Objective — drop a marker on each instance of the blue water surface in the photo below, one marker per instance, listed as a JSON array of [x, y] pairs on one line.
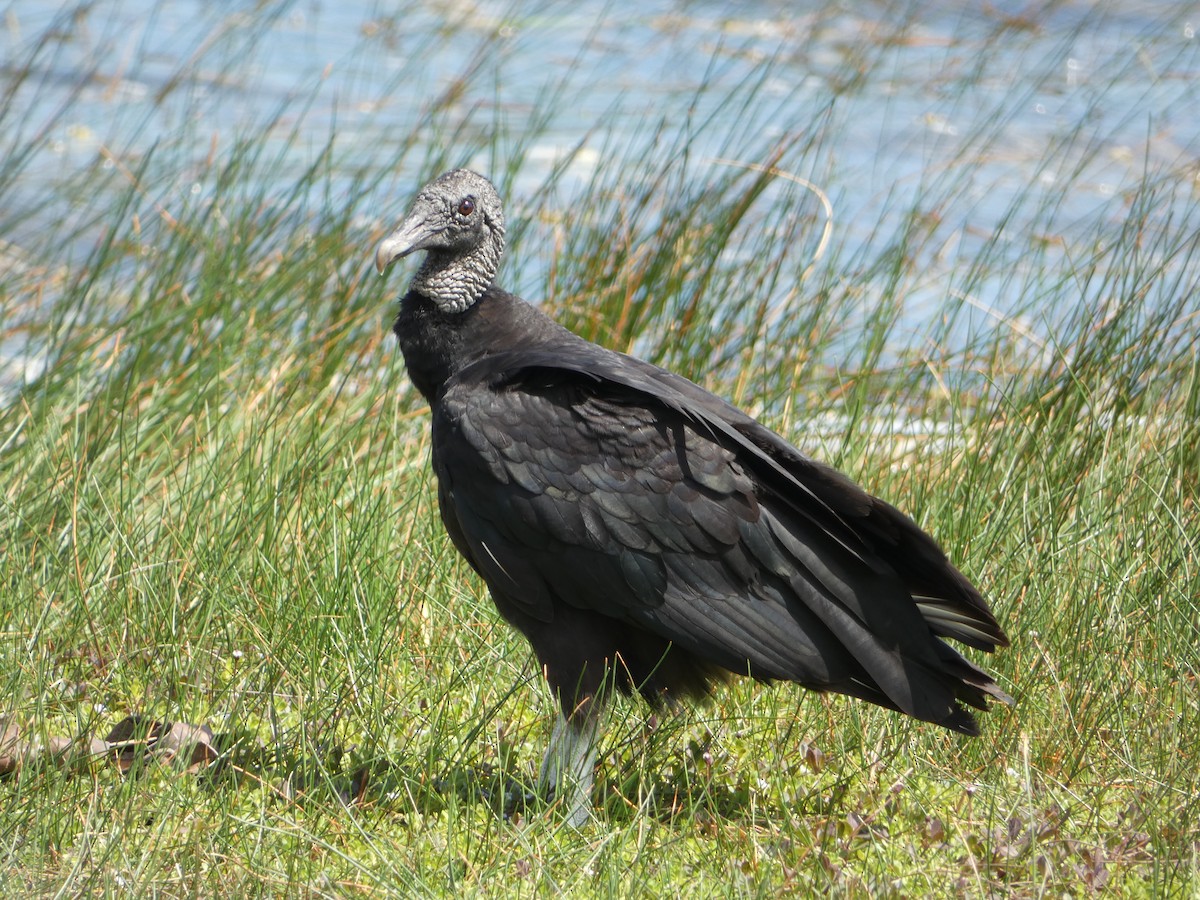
[[973, 112]]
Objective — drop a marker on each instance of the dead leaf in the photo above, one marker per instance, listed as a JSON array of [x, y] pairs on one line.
[[134, 729], [129, 739], [10, 746], [813, 756], [132, 739], [189, 745]]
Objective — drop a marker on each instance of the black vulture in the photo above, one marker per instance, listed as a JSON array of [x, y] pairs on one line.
[[645, 535]]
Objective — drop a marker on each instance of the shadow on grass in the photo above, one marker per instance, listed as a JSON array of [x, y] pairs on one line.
[[413, 785]]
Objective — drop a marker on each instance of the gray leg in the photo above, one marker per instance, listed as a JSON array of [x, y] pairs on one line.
[[568, 769]]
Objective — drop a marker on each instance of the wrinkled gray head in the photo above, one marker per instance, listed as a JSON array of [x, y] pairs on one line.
[[457, 219]]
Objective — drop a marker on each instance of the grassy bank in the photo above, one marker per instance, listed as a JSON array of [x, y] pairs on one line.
[[216, 511]]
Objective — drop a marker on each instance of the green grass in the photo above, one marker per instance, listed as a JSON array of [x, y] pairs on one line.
[[215, 508]]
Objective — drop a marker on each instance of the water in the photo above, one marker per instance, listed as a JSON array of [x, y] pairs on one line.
[[975, 113]]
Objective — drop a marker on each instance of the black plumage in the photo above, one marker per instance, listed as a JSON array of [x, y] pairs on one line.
[[642, 532]]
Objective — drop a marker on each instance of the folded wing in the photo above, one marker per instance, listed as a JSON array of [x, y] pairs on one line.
[[585, 478]]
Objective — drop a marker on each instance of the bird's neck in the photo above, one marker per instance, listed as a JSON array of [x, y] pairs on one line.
[[454, 281]]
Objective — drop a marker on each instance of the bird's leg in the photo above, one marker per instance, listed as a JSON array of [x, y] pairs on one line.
[[568, 768]]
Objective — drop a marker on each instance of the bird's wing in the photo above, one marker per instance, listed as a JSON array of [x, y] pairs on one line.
[[579, 476]]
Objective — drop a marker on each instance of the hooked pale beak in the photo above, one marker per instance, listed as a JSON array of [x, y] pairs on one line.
[[412, 235]]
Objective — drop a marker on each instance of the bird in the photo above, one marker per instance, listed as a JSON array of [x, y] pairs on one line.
[[646, 536]]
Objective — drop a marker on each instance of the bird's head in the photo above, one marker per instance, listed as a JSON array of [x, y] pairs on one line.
[[457, 218]]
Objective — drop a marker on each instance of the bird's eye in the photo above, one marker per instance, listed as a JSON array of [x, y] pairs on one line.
[[466, 207]]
